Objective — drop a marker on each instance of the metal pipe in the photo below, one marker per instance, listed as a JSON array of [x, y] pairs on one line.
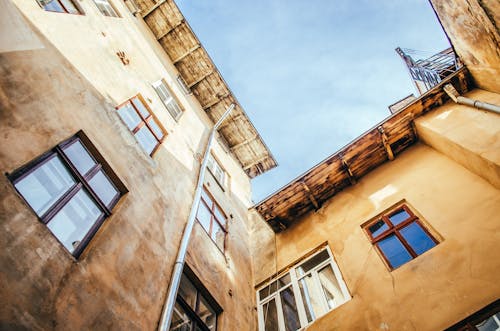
[[455, 96], [168, 307]]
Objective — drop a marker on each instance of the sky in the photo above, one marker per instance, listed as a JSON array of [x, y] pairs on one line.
[[312, 75]]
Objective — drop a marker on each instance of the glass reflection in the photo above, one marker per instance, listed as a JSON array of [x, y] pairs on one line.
[[311, 263], [270, 316], [417, 238], [289, 307], [146, 139], [187, 291], [331, 288], [180, 321], [378, 228], [103, 187], [80, 158], [399, 217], [311, 296], [394, 251], [129, 116]]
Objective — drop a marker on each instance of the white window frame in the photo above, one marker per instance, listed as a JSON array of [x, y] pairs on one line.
[[167, 98], [294, 283], [217, 171], [106, 8]]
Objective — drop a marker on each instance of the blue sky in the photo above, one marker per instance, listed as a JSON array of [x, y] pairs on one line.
[[312, 75]]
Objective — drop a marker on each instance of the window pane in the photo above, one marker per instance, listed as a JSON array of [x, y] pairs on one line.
[[140, 107], [218, 235], [156, 128], [268, 290], [70, 7], [45, 185], [270, 316], [74, 220], [52, 5], [146, 139], [188, 292], [103, 187], [394, 251], [79, 157], [207, 314], [105, 8], [311, 296], [399, 217], [180, 320], [290, 314], [377, 228], [308, 265], [418, 239], [219, 215], [206, 197], [129, 116], [490, 324], [162, 92], [331, 288], [174, 109], [203, 216]]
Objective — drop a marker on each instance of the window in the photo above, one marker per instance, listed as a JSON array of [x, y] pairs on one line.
[[487, 319], [166, 97], [106, 8], [216, 170], [143, 125], [399, 236], [212, 219], [71, 190], [195, 309], [60, 6], [305, 292]]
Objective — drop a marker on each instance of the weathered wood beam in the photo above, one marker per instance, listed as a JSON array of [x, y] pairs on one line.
[[413, 126], [230, 120], [175, 26], [198, 80], [245, 142], [183, 56], [152, 9], [214, 102], [248, 166], [385, 142], [351, 176], [310, 195]]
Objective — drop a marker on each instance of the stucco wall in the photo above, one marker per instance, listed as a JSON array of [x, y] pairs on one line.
[[120, 280], [431, 292], [473, 29]]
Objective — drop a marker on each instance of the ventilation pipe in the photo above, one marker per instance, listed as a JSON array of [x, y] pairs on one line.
[[455, 96], [168, 307]]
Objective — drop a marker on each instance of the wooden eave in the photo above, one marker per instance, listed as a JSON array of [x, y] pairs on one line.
[[344, 168], [202, 77]]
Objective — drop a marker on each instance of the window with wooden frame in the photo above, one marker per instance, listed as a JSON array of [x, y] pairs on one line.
[[487, 319], [166, 96], [106, 8], [400, 236], [212, 219], [217, 171], [195, 309], [60, 6], [146, 129], [71, 189]]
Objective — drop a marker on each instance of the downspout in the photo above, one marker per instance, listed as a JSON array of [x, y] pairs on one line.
[[455, 96], [168, 306]]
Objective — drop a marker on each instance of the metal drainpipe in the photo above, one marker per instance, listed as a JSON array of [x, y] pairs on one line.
[[455, 96], [168, 307]]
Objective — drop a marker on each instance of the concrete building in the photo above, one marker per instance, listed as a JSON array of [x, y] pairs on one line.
[[106, 109]]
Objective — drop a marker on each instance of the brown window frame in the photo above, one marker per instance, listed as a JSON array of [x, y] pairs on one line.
[[394, 230], [80, 12], [81, 183], [211, 207], [144, 121]]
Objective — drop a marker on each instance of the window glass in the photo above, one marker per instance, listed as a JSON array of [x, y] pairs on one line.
[[140, 107], [399, 216], [129, 116], [207, 314], [270, 316], [310, 297], [180, 320], [218, 235], [289, 306], [156, 129], [418, 239], [378, 228], [394, 251], [490, 324], [103, 187], [70, 7], [80, 158], [204, 216], [146, 139], [45, 185], [311, 263], [52, 5], [105, 8], [188, 292], [174, 109], [219, 215], [74, 220], [331, 288]]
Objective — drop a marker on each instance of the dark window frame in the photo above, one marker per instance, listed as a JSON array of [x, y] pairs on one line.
[[81, 183], [80, 11], [395, 230], [144, 121], [469, 323], [213, 216]]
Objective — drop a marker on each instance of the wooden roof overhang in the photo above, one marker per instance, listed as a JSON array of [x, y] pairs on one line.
[[378, 145], [201, 76]]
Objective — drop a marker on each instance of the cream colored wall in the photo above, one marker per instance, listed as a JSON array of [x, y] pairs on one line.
[[431, 292], [47, 94]]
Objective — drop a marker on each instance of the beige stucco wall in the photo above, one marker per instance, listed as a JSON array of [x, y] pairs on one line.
[[431, 292], [50, 89], [473, 29]]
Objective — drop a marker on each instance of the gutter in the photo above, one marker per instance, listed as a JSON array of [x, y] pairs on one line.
[[168, 306], [457, 98]]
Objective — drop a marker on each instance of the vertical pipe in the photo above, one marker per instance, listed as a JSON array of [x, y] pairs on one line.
[[168, 307]]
